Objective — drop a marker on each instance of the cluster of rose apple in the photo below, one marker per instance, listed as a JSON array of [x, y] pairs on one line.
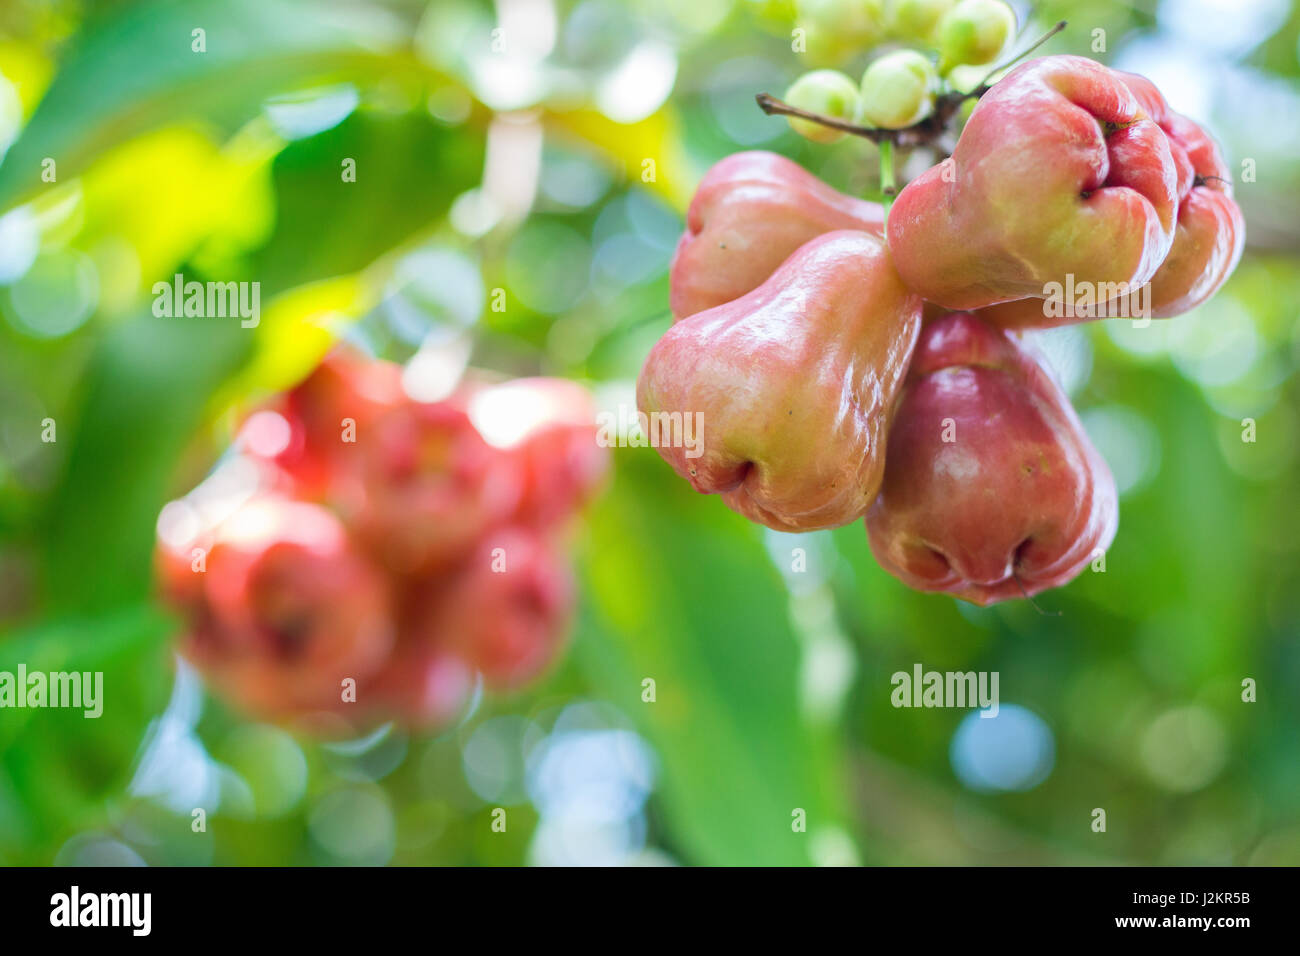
[[378, 552], [844, 366]]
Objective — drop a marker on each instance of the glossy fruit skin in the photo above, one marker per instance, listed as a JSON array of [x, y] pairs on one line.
[[794, 383], [1038, 189], [1019, 499], [1208, 240], [288, 609], [750, 212]]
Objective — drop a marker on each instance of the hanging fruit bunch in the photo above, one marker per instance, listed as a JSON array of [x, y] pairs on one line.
[[364, 556], [849, 359]]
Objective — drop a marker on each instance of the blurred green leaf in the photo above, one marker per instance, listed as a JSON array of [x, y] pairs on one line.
[[408, 171], [143, 400], [60, 764], [133, 67], [739, 756]]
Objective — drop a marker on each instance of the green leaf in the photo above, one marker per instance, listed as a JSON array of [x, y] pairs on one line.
[[681, 591], [408, 171], [134, 67], [144, 397], [57, 765]]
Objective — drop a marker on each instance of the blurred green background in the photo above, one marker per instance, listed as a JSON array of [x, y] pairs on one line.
[[556, 167]]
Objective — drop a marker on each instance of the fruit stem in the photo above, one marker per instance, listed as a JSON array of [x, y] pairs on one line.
[[887, 185], [919, 134], [770, 105]]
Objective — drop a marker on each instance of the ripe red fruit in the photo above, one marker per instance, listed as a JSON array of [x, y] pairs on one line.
[[792, 385], [992, 489], [179, 584], [421, 686], [749, 213], [287, 610], [303, 431], [434, 565], [1059, 172], [547, 428], [506, 612], [1208, 241], [1211, 231], [421, 486]]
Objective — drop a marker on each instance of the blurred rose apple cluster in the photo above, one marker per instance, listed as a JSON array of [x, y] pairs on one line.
[[362, 556]]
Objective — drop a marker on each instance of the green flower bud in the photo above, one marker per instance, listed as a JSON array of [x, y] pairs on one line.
[[828, 92], [835, 30], [917, 20], [898, 90], [974, 32], [966, 78], [774, 16]]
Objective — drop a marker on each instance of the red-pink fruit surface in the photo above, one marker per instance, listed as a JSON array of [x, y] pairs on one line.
[[547, 428], [507, 611], [422, 486], [992, 490], [422, 686], [342, 396], [749, 213], [1208, 240], [288, 610], [1059, 172], [791, 385]]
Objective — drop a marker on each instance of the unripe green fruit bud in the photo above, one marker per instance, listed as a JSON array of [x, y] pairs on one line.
[[828, 92], [835, 30], [773, 16], [897, 90], [917, 20], [974, 32], [966, 78]]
